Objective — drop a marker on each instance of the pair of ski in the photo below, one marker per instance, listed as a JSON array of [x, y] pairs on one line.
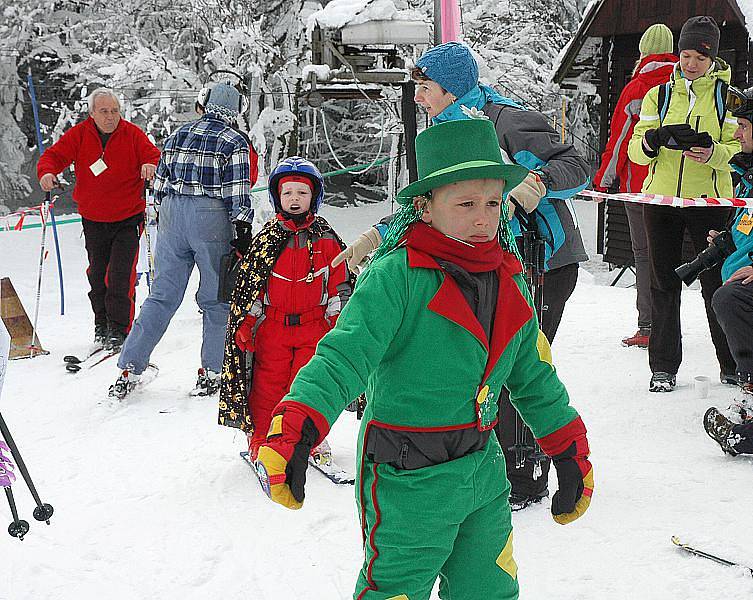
[[321, 462], [74, 364]]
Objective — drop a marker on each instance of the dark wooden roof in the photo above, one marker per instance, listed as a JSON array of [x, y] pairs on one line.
[[606, 18]]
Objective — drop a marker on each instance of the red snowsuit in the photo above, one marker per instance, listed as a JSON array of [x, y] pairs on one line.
[[653, 70], [301, 302]]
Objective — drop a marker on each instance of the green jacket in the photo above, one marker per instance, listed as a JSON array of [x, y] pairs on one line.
[[409, 338], [670, 173]]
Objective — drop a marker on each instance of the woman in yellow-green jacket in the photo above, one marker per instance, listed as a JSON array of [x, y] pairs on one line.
[[685, 136]]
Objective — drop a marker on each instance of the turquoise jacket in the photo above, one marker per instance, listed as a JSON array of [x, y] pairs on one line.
[[743, 256]]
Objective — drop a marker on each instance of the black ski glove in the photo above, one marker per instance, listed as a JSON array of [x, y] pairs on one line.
[[243, 236], [672, 137]]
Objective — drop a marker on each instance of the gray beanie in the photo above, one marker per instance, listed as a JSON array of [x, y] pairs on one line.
[[700, 34], [224, 96]]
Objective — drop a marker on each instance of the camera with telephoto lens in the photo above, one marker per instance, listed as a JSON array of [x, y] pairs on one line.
[[719, 249]]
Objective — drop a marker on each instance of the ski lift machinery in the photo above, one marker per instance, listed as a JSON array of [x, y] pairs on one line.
[[363, 58]]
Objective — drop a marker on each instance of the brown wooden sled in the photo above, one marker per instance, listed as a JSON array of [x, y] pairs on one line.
[[17, 323]]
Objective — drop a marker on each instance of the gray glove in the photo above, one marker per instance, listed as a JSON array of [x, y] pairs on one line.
[[355, 254]]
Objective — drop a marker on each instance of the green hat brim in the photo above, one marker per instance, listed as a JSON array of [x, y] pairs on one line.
[[512, 175]]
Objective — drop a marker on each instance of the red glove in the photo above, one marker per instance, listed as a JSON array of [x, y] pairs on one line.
[[568, 447], [283, 459], [244, 337]]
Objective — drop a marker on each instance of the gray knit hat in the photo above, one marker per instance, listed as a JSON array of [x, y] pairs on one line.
[[700, 34], [226, 97]]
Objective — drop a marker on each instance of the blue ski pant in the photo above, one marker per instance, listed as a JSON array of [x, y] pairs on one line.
[[193, 230]]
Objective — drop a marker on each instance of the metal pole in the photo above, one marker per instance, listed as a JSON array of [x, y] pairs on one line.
[[437, 22], [408, 109], [45, 215]]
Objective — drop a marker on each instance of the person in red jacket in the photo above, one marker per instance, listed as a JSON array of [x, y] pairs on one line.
[[301, 299], [112, 158], [653, 68]]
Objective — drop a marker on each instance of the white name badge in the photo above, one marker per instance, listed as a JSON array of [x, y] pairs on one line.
[[98, 167]]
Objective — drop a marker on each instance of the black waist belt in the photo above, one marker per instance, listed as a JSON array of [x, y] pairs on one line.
[[416, 449]]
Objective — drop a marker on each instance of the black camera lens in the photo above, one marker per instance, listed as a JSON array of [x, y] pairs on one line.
[[719, 249]]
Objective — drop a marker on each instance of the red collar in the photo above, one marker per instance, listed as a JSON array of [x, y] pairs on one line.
[[293, 226], [511, 313]]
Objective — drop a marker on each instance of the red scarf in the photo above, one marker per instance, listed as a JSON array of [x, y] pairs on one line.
[[474, 257]]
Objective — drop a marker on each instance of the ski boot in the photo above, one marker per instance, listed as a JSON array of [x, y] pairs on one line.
[[128, 381], [124, 385], [728, 379], [100, 336], [719, 429], [114, 341], [522, 501], [662, 382], [638, 340], [207, 383], [322, 454]]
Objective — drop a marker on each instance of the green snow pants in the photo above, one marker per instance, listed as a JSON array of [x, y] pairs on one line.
[[451, 521]]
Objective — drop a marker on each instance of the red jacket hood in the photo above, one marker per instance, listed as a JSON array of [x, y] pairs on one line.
[[655, 67]]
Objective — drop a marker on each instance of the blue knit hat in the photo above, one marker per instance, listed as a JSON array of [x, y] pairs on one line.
[[225, 97], [452, 66]]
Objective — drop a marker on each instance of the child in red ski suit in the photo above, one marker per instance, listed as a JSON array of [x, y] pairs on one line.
[[301, 299]]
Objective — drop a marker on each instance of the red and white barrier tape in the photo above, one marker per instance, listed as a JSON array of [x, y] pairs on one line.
[[21, 214], [669, 200]]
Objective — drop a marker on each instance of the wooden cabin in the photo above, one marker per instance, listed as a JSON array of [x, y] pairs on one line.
[[603, 52]]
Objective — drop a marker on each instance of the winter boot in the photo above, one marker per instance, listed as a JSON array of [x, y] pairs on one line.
[[124, 385], [207, 383], [639, 340], [728, 379], [114, 342], [719, 429], [522, 501], [100, 335], [662, 382]]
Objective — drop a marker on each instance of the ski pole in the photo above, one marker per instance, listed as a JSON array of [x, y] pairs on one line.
[[45, 213], [147, 223], [18, 528], [57, 255], [40, 145], [722, 561], [42, 512]]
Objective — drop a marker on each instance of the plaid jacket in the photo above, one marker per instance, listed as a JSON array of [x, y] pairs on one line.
[[207, 157]]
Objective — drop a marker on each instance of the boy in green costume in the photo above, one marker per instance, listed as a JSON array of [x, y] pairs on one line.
[[437, 325]]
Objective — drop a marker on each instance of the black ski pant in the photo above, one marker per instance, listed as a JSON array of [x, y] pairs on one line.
[[113, 250], [744, 438], [558, 287], [733, 306], [665, 228]]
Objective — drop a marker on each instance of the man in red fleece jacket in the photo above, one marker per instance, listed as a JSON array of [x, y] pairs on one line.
[[112, 157]]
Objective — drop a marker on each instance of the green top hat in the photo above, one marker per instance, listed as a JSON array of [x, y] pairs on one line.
[[459, 151]]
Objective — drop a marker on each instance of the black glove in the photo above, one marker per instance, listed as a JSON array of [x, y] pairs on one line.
[[243, 236], [672, 137], [677, 137]]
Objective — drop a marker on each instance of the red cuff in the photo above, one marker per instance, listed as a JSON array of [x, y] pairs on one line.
[[322, 426], [558, 441]]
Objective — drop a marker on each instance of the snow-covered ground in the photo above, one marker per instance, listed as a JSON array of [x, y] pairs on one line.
[[152, 502]]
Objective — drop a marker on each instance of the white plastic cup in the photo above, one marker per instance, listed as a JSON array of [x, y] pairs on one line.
[[701, 384]]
